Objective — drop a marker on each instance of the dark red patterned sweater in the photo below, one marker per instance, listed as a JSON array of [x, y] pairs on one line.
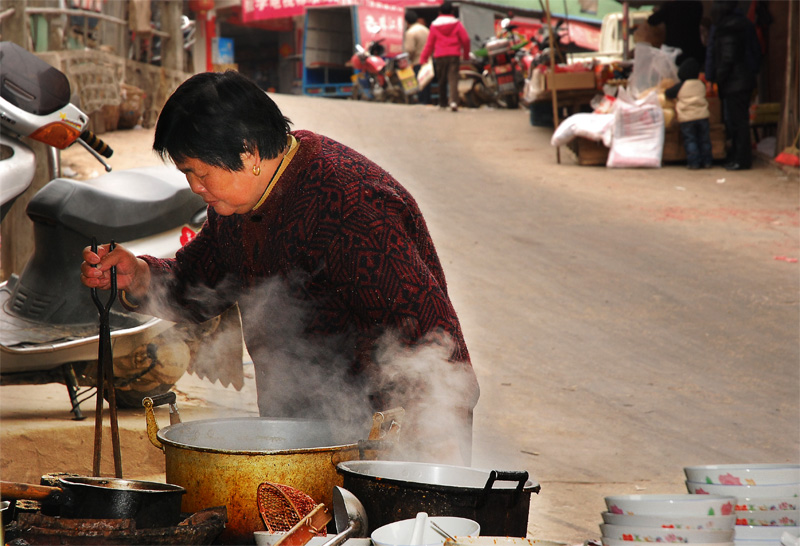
[[339, 256]]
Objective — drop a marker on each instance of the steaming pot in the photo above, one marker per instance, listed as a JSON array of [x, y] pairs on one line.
[[221, 462]]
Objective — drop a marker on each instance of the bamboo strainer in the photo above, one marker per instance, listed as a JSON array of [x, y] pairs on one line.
[[282, 507]]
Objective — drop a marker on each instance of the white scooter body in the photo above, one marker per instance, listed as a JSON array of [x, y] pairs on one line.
[[47, 317]]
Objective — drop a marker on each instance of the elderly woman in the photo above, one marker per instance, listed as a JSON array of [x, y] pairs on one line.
[[343, 298]]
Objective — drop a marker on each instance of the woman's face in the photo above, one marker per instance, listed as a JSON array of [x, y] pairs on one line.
[[227, 192]]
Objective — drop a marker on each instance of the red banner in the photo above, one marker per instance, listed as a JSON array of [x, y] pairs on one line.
[[258, 10]]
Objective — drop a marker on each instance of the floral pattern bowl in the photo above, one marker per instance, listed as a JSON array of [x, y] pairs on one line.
[[672, 505], [673, 522], [745, 491], [744, 474], [761, 532], [656, 534], [771, 518]]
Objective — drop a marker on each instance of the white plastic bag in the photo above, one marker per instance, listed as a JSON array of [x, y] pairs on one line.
[[651, 65], [425, 75], [595, 127], [638, 134]]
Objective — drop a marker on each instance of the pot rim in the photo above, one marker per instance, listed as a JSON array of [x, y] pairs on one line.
[[120, 484], [350, 468], [162, 436]]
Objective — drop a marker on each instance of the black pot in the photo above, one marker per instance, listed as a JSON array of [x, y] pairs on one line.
[[392, 490], [149, 504]]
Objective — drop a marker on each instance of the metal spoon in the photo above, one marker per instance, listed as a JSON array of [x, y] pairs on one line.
[[441, 531], [349, 515]]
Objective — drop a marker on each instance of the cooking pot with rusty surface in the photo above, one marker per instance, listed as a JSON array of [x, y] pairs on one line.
[[221, 462], [395, 490], [149, 504]]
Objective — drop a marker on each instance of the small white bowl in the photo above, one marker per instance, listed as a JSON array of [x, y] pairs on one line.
[[399, 532], [671, 505], [768, 517], [768, 504], [744, 491], [763, 532], [744, 474], [672, 522], [614, 542], [265, 538], [656, 534]]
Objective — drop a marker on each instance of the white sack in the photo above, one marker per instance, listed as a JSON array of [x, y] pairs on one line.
[[595, 127], [638, 139]]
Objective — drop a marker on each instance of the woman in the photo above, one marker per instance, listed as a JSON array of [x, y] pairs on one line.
[[343, 299]]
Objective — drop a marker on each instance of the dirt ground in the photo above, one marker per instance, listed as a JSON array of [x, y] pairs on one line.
[[624, 323]]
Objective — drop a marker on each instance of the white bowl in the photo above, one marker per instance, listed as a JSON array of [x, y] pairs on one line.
[[768, 504], [656, 534], [744, 491], [615, 542], [768, 517], [744, 474], [763, 532], [399, 532], [674, 522], [671, 505]]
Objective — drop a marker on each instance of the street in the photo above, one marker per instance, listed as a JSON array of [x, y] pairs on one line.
[[623, 323]]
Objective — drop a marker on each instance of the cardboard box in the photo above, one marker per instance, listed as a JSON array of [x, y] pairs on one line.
[[674, 149], [588, 152], [570, 80]]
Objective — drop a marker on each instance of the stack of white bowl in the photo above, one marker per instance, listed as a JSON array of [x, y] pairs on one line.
[[690, 519], [767, 498]]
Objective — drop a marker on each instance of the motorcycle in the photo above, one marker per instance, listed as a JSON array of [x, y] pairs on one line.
[[369, 75], [48, 319], [402, 85], [494, 74]]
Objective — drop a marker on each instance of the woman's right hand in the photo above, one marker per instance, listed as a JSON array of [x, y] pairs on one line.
[[133, 274]]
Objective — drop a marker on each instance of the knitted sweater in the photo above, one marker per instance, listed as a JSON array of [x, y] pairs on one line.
[[337, 258]]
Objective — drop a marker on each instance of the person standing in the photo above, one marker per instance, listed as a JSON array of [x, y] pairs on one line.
[[413, 44], [448, 43], [732, 62], [693, 115]]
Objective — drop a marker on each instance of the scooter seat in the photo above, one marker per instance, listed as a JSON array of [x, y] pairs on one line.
[[121, 205]]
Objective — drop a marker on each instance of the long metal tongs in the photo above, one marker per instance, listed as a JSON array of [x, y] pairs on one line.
[[105, 376]]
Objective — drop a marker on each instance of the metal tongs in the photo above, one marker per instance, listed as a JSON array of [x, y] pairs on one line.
[[105, 375]]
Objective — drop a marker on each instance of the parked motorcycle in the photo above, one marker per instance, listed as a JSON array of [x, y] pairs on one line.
[[369, 76], [48, 320], [402, 85]]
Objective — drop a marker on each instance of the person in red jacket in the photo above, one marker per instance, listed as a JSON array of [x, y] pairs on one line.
[[448, 43]]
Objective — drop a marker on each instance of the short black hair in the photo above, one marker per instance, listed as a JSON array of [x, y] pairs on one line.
[[446, 8], [411, 16], [216, 117]]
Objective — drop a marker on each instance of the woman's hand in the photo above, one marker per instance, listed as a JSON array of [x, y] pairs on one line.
[[133, 274]]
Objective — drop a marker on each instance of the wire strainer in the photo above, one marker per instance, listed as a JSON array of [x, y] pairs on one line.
[[282, 507]]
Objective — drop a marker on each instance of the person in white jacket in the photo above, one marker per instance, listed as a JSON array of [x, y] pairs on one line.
[[693, 115]]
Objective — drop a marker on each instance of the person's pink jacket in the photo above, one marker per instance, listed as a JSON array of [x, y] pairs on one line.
[[447, 37]]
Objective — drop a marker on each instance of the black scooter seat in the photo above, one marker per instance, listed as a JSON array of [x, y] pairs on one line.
[[121, 205]]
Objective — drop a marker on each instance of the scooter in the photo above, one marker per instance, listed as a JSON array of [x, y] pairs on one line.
[[502, 70], [48, 320], [369, 76], [401, 82]]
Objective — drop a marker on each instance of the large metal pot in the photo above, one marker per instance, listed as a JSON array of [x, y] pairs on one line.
[[393, 490], [150, 504], [221, 462]]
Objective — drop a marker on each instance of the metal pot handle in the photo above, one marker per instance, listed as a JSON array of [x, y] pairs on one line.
[[520, 476], [149, 403]]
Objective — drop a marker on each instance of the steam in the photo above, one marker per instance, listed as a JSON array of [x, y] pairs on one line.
[[314, 376]]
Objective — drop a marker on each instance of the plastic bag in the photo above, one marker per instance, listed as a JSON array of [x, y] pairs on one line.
[[595, 127], [650, 66], [638, 133], [425, 75]]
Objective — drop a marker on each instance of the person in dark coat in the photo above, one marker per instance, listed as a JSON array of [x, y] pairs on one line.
[[682, 21], [732, 62]]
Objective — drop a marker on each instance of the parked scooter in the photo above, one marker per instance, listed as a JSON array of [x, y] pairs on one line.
[[401, 82], [48, 321], [502, 69], [369, 76]]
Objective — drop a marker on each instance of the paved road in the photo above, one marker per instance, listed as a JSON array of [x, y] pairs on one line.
[[623, 323]]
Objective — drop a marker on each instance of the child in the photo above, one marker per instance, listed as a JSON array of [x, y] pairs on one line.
[[692, 111]]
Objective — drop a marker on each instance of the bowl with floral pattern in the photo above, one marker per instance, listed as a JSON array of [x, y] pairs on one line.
[[763, 532], [771, 518], [672, 522], [767, 504], [671, 505], [744, 474], [660, 534], [615, 542], [744, 491]]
